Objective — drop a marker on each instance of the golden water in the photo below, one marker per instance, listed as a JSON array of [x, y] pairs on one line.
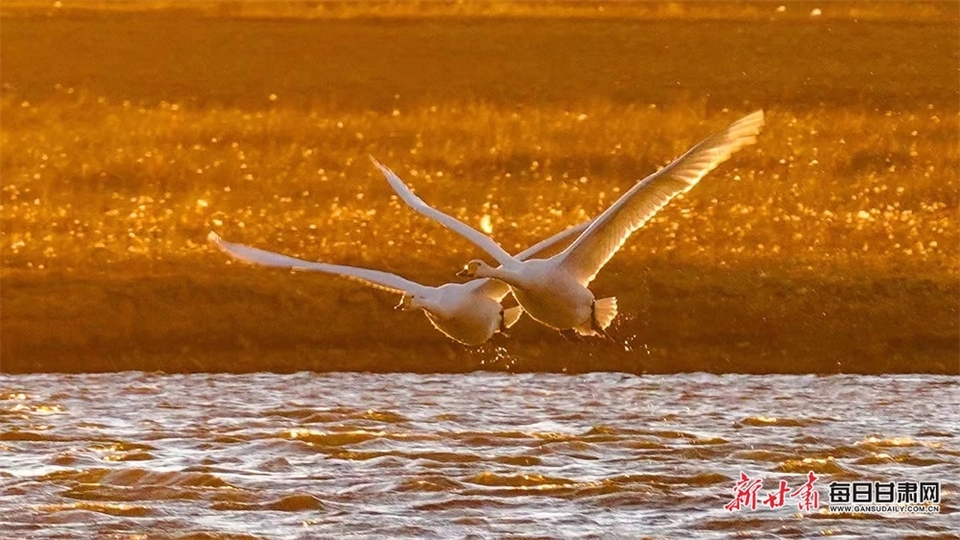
[[308, 455]]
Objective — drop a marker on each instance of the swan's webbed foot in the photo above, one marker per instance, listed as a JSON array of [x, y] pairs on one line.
[[600, 332]]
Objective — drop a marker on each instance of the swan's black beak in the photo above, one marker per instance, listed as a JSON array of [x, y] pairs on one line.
[[463, 273]]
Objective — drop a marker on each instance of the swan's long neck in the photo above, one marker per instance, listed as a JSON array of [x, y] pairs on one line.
[[505, 275], [429, 305]]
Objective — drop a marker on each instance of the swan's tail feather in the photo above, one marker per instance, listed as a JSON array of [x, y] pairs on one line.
[[604, 311], [511, 316]]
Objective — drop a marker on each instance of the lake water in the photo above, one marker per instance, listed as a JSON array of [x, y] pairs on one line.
[[486, 454]]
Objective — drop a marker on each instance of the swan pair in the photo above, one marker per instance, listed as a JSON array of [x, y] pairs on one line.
[[553, 290], [469, 313]]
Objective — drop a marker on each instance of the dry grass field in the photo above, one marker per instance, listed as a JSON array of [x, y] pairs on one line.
[[128, 134]]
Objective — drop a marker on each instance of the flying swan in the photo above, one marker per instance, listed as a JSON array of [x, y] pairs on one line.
[[469, 313], [554, 290]]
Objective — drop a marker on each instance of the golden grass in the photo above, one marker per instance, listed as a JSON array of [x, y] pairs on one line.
[[142, 184], [749, 10], [832, 241]]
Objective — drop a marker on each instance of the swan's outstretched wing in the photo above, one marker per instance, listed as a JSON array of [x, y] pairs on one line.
[[588, 253], [542, 249], [374, 278], [481, 240]]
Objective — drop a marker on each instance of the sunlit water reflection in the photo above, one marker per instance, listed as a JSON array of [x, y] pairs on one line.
[[308, 455]]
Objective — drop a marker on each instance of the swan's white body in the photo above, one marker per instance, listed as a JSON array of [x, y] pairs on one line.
[[548, 290], [469, 313], [554, 290]]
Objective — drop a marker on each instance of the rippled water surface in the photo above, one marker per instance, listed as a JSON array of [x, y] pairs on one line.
[[332, 455]]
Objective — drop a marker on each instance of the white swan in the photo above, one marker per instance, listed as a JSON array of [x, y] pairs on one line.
[[469, 313], [554, 290]]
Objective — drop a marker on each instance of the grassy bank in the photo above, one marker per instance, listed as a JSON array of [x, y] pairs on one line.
[[382, 64], [674, 318], [830, 245]]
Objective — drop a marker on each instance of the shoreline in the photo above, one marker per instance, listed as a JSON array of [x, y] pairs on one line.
[[693, 319]]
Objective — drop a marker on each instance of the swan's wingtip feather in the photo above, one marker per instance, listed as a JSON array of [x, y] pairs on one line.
[[388, 173], [755, 120], [745, 131]]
